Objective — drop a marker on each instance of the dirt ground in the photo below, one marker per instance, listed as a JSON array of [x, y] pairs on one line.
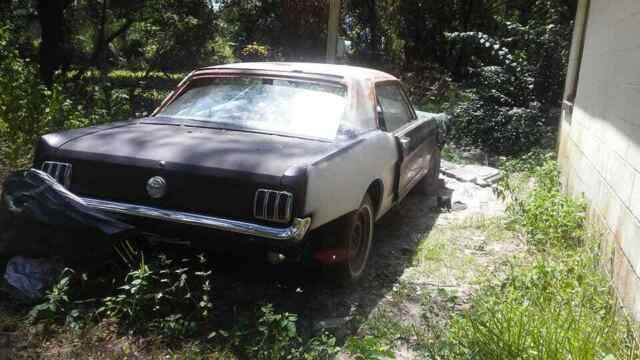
[[425, 265]]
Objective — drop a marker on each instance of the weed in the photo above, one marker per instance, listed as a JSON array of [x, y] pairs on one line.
[[450, 154], [276, 332], [168, 296], [382, 331], [368, 347], [546, 214], [276, 337], [57, 304]]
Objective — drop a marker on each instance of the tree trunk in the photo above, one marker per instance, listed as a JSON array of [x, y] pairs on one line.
[[374, 25], [52, 51], [460, 67]]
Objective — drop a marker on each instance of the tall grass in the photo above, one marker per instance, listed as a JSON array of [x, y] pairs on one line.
[[559, 305]]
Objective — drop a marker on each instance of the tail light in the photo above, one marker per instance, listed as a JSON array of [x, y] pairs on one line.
[[272, 205], [61, 172]]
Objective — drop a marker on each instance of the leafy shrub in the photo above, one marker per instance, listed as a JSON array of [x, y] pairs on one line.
[[517, 87], [499, 116], [166, 295]]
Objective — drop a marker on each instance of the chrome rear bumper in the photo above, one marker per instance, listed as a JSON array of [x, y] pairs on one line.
[[294, 233]]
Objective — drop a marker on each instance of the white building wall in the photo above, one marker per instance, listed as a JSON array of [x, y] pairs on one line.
[[599, 148]]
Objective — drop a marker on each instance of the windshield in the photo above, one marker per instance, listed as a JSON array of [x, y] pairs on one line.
[[281, 106]]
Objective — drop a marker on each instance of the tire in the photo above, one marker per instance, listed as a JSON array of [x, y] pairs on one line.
[[428, 184], [355, 234]]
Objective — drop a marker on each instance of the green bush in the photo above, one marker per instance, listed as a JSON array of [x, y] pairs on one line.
[[499, 115], [515, 93]]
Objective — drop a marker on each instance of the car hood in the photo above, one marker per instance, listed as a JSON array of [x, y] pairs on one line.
[[196, 147]]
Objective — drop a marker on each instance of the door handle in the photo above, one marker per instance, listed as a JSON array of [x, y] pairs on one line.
[[404, 143]]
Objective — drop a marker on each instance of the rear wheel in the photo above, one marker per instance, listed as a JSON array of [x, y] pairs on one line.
[[355, 236]]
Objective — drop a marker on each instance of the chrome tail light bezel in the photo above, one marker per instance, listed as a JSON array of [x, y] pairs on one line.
[[59, 171], [273, 205]]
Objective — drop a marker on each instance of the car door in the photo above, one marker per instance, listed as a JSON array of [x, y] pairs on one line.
[[396, 116]]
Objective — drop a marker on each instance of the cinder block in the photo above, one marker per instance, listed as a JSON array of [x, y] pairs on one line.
[[625, 281], [615, 135], [628, 235], [625, 30], [634, 204], [633, 155], [620, 176], [628, 9], [612, 209]]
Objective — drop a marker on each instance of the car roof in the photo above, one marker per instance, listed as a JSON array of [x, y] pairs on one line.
[[329, 70]]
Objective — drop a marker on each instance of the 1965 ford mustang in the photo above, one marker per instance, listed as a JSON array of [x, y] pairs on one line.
[[297, 159]]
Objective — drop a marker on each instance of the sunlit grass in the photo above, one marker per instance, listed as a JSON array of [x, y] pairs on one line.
[[453, 251]]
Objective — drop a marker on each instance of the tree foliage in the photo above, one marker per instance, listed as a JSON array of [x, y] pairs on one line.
[[504, 60]]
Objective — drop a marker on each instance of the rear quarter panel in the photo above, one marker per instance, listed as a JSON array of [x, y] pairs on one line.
[[336, 184]]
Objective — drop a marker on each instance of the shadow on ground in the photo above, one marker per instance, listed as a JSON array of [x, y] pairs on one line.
[[242, 284], [245, 283]]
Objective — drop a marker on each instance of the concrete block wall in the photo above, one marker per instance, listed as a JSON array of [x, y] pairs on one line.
[[599, 149]]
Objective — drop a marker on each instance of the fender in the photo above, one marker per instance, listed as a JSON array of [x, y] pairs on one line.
[[337, 183]]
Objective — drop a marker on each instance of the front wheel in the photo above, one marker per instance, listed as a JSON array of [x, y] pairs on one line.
[[355, 236]]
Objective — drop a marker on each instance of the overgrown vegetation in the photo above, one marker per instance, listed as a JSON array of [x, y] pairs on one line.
[[557, 305], [551, 300], [172, 300], [547, 215], [29, 109], [170, 297]]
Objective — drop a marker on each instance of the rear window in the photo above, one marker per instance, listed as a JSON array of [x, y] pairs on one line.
[[281, 106]]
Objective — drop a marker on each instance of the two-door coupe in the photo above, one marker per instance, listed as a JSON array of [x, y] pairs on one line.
[[297, 159]]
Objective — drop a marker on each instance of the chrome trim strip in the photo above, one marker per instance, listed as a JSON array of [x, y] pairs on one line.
[[294, 233]]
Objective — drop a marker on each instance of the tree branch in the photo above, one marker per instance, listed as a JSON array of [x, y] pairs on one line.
[[120, 31]]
